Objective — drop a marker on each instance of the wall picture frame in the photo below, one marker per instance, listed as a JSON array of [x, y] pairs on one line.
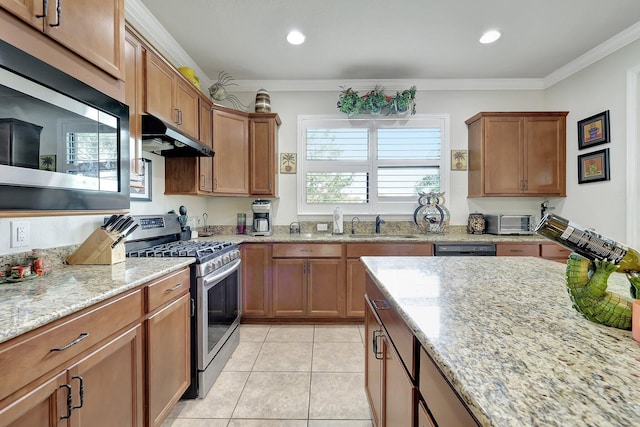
[[288, 163], [140, 187], [48, 162], [593, 130], [593, 167], [459, 160]]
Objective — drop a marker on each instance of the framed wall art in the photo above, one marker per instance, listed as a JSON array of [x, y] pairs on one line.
[[458, 160], [288, 162], [593, 166], [593, 130], [140, 187], [48, 162]]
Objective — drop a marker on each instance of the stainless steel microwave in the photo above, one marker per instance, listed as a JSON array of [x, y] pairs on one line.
[[509, 224], [63, 144]]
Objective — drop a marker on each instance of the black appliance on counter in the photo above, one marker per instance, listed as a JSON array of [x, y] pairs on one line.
[[215, 292], [464, 249]]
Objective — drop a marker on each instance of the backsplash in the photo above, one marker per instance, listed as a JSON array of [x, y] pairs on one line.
[[57, 256]]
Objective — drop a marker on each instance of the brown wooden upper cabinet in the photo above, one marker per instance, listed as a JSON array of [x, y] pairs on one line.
[[517, 154], [231, 145], [169, 96], [263, 154], [94, 29]]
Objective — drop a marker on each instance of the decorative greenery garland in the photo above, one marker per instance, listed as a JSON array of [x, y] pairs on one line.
[[376, 102]]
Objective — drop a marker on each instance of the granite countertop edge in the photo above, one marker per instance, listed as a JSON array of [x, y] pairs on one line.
[[28, 305]]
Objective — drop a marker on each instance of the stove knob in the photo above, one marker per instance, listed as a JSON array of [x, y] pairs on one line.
[[217, 262], [226, 258]]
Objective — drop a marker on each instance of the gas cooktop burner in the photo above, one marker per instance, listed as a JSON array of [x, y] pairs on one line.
[[199, 250]]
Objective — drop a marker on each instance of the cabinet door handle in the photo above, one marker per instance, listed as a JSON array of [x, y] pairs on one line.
[[175, 288], [380, 304], [179, 117], [81, 391], [58, 14], [69, 405], [376, 334], [72, 343], [45, 6], [204, 180], [215, 183]]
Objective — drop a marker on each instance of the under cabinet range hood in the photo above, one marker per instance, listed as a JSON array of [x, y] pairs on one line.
[[160, 138]]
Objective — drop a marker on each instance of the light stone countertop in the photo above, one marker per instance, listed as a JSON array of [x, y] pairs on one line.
[[321, 237], [32, 303], [505, 334]]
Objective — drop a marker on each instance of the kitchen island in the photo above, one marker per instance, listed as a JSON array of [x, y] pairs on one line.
[[503, 333]]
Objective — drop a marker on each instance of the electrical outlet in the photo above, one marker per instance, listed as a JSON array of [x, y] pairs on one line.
[[20, 234], [322, 227]]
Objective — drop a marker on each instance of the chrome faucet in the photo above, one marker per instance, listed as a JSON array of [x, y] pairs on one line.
[[353, 230], [378, 222]]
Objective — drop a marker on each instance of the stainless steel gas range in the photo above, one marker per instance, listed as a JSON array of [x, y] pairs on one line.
[[215, 292]]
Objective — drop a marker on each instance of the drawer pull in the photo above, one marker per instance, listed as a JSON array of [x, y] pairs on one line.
[[58, 13], [45, 6], [81, 392], [69, 405], [376, 334], [175, 288], [72, 343], [380, 304]]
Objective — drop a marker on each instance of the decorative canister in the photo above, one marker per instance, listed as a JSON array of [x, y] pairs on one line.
[[263, 102], [476, 224]]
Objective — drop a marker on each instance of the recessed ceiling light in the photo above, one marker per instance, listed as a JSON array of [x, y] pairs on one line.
[[490, 36], [295, 37]]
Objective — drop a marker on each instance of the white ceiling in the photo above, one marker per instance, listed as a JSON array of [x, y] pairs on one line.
[[387, 39]]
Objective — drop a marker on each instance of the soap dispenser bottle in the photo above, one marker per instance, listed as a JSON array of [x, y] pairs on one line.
[[338, 221]]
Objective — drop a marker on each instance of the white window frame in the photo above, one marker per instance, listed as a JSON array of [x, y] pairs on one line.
[[397, 210]]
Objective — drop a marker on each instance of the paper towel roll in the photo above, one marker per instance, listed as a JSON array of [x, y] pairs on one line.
[[338, 221]]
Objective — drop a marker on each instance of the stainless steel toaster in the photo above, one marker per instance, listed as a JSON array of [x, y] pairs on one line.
[[509, 224]]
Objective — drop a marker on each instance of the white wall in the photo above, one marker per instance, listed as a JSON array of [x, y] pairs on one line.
[[602, 86], [601, 205]]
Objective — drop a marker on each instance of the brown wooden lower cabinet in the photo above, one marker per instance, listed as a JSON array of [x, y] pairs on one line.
[[373, 362], [403, 385], [388, 385], [444, 404], [308, 287], [110, 378], [111, 359], [168, 358], [308, 281], [256, 280], [554, 252], [517, 249]]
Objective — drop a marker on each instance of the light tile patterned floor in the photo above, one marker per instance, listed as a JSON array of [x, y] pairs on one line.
[[286, 376]]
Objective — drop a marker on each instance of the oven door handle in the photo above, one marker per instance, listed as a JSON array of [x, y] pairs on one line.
[[222, 273]]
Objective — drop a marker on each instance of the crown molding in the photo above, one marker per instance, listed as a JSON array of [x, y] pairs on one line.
[[144, 22], [137, 14], [604, 49], [389, 85]]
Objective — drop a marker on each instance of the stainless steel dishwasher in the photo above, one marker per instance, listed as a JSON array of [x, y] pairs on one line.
[[464, 249]]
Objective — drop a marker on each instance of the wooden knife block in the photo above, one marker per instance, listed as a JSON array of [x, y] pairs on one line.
[[97, 250]]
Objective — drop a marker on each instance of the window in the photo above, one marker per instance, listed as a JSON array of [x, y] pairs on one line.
[[369, 166]]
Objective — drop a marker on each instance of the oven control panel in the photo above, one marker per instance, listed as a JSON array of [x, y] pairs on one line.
[[149, 223]]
